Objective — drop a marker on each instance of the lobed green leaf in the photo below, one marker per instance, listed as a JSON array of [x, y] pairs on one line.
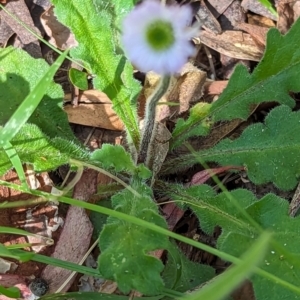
[[225, 283], [117, 9], [185, 129], [181, 274], [113, 156], [125, 247], [78, 78], [271, 214], [275, 76], [93, 26], [269, 152]]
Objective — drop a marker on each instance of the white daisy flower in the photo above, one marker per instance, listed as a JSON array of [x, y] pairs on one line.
[[156, 37]]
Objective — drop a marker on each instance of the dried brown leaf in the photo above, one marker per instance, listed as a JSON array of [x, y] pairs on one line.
[[207, 19], [60, 35], [94, 109], [5, 33], [27, 39], [233, 43], [260, 21], [258, 33], [232, 15], [215, 87], [75, 237], [220, 6], [256, 7], [288, 12], [202, 176], [187, 90]]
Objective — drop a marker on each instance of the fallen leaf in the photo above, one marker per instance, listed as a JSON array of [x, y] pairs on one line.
[[5, 33], [26, 38], [215, 87], [108, 287], [94, 109], [232, 15], [256, 7], [75, 237], [172, 214], [220, 6], [60, 36], [288, 12], [258, 33], [260, 21], [229, 64], [233, 43], [186, 90], [202, 176], [207, 19]]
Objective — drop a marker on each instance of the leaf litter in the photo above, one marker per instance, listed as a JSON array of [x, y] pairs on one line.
[[239, 40]]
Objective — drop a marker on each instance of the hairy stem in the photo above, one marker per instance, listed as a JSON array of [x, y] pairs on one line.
[[149, 124]]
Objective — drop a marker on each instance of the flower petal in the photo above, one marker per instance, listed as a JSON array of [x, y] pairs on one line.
[[139, 50]]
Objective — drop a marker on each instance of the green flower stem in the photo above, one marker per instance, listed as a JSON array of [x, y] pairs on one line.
[[149, 124]]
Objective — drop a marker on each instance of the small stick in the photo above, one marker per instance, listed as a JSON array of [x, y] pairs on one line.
[[211, 64]]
